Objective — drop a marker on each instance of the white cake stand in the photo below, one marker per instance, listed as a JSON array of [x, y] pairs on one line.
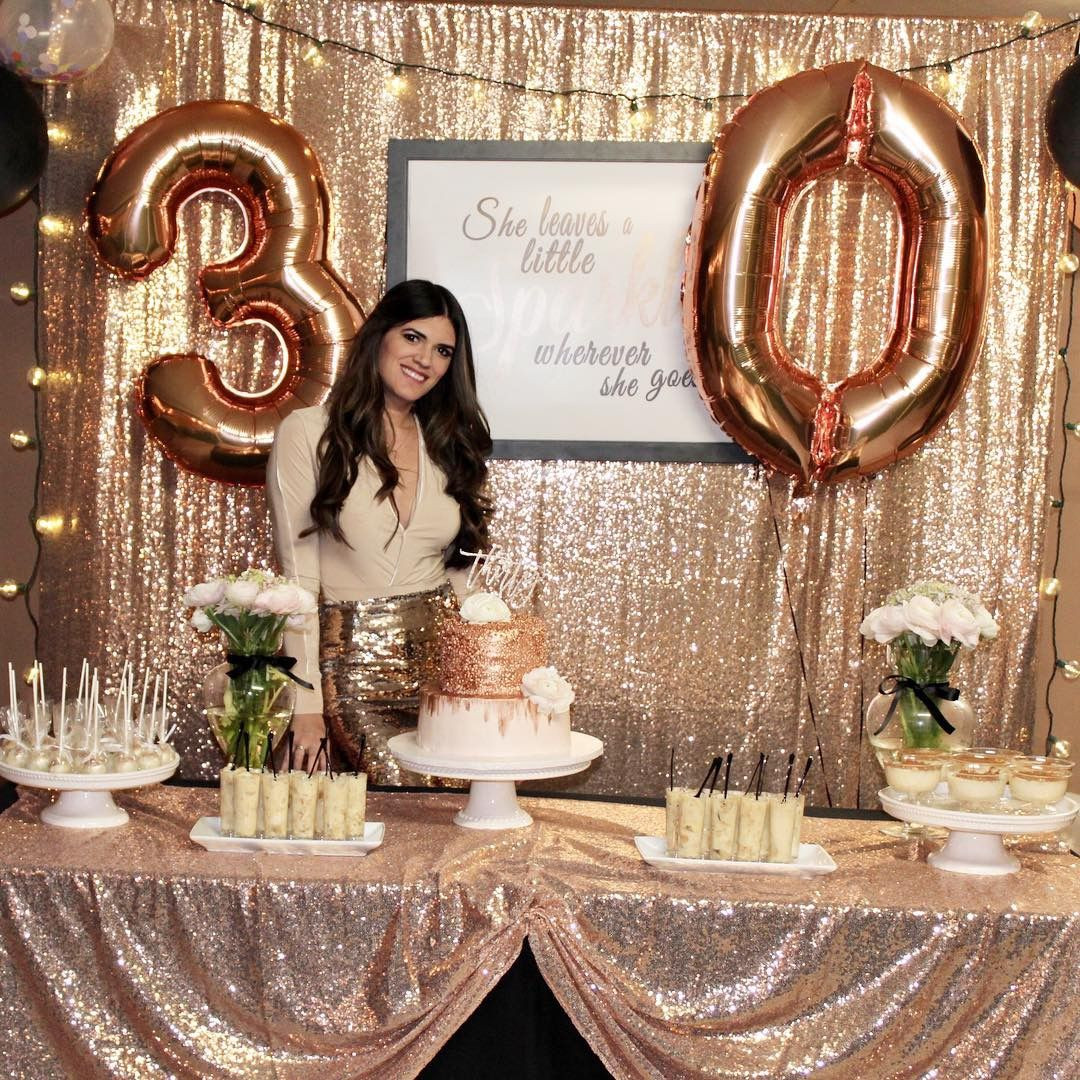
[[86, 800], [975, 844], [493, 793]]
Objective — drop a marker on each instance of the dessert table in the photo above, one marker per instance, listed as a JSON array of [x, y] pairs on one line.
[[131, 952]]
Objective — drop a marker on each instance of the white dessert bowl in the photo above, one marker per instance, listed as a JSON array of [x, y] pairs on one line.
[[977, 785], [1038, 785], [913, 778]]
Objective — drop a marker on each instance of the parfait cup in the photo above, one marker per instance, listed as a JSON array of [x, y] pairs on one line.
[[1038, 782], [913, 776]]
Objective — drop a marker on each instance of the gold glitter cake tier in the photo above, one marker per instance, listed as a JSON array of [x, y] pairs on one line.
[[490, 658]]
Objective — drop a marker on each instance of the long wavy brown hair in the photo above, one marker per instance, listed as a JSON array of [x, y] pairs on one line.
[[455, 428]]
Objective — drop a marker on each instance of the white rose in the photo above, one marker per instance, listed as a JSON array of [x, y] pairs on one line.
[[278, 600], [958, 624], [883, 624], [988, 627], [297, 621], [547, 690], [484, 607], [205, 594], [308, 602], [201, 622], [923, 618], [242, 593]]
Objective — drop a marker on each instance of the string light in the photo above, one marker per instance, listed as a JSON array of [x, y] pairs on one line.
[[1049, 586], [1068, 262], [10, 588], [639, 116], [315, 48], [313, 54], [946, 81], [397, 84], [58, 135], [1069, 668], [51, 225], [35, 377], [1056, 504], [20, 292], [1058, 748], [49, 524], [1031, 22], [1073, 427], [21, 440]]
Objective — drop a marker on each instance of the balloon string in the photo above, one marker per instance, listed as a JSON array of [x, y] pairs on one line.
[[798, 639]]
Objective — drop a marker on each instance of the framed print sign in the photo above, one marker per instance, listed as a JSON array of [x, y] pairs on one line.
[[567, 259]]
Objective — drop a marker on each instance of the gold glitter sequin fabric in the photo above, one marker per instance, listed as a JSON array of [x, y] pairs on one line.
[[663, 584], [155, 958], [374, 656]]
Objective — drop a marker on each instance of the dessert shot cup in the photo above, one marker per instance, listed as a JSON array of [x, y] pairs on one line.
[[752, 844], [673, 798], [303, 795], [334, 799], [355, 803], [724, 825], [913, 778], [690, 841], [275, 802], [1037, 784], [227, 779], [246, 786], [782, 817]]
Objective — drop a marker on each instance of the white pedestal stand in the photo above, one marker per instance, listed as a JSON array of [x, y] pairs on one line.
[[86, 800], [975, 844], [493, 793]]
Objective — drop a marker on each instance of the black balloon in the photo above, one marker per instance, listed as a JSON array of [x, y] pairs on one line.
[[1063, 122], [24, 141]]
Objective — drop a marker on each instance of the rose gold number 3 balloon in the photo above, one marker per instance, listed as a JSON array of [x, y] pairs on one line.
[[781, 141], [281, 277]]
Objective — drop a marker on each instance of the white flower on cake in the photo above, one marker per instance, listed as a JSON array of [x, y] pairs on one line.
[[484, 607], [547, 690]]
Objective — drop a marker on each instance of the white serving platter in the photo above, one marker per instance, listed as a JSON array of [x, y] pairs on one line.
[[207, 833], [813, 861]]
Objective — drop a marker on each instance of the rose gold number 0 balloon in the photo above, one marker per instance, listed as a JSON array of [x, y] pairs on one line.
[[782, 140], [281, 277]]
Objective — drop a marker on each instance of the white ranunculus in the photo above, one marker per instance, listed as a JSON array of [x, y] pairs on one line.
[[988, 627], [205, 594], [282, 599], [484, 607], [201, 622], [885, 623], [242, 593], [958, 624], [547, 690], [923, 618]]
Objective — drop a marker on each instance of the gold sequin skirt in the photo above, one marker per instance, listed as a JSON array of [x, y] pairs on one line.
[[374, 656]]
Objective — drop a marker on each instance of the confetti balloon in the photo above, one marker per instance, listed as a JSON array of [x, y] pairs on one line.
[[54, 41], [785, 138]]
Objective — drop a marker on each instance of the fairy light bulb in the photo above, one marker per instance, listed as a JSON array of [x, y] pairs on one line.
[[313, 54], [35, 377], [10, 588], [49, 524], [639, 116], [946, 79], [1069, 668], [1030, 23], [1049, 586], [397, 84], [20, 292], [58, 135], [1068, 263], [30, 674], [22, 440], [1058, 748], [51, 225]]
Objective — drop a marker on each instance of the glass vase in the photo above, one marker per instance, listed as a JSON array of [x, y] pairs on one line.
[[247, 711]]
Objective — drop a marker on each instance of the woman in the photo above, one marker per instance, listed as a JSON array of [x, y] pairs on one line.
[[373, 495]]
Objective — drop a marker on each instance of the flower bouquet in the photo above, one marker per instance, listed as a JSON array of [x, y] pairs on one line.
[[249, 698], [925, 626]]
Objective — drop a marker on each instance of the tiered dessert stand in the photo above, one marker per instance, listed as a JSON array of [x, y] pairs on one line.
[[493, 792], [975, 844], [86, 800]]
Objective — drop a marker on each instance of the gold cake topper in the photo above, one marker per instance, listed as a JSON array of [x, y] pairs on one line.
[[496, 571]]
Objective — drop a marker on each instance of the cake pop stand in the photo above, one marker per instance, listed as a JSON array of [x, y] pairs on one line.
[[975, 843], [493, 792], [86, 800]]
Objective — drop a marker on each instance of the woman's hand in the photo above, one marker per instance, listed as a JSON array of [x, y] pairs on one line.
[[308, 729]]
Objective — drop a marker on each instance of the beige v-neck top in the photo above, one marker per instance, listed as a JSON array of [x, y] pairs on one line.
[[384, 559]]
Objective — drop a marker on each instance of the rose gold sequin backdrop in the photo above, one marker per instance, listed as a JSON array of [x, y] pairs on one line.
[[663, 583]]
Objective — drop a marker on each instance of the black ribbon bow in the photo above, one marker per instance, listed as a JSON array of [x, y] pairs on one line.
[[284, 664], [893, 684]]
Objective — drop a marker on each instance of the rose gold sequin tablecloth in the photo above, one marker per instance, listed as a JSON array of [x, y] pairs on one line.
[[136, 949]]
